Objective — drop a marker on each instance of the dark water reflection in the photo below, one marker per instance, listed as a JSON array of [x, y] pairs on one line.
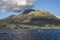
[[26, 34]]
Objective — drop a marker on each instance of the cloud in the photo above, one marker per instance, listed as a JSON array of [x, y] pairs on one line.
[[57, 16], [16, 5]]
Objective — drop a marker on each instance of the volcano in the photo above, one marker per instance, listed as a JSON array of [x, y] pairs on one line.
[[31, 19]]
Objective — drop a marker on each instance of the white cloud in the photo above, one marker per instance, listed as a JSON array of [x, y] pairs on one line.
[[57, 16], [16, 5]]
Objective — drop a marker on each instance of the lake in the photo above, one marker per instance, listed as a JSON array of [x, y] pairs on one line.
[[29, 34]]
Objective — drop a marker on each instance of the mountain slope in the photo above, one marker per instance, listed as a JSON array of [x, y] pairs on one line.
[[31, 19]]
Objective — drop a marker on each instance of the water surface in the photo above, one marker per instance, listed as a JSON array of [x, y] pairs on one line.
[[27, 34]]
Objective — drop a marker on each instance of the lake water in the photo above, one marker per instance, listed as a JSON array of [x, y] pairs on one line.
[[27, 34]]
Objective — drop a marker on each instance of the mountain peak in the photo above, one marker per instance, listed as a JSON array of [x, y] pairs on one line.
[[28, 11], [32, 19], [38, 13]]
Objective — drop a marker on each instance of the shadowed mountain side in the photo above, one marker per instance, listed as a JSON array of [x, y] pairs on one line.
[[31, 19], [43, 22]]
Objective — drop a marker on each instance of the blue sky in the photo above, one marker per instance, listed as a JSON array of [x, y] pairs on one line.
[[53, 6]]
